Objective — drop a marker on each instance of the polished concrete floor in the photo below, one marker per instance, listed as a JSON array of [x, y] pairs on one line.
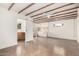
[[43, 47]]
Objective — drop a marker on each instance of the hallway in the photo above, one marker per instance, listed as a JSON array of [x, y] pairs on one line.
[[43, 47]]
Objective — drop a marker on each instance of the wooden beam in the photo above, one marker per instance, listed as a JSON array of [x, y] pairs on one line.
[[61, 14], [46, 20], [39, 9], [61, 11], [26, 8], [53, 9], [59, 18], [65, 18], [75, 15], [66, 13], [11, 6]]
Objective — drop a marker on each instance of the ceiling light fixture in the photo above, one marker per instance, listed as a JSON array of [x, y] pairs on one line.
[[47, 15]]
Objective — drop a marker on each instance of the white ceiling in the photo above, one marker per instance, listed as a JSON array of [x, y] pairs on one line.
[[19, 6], [34, 7]]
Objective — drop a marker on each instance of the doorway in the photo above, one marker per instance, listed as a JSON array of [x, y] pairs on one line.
[[41, 30], [21, 31]]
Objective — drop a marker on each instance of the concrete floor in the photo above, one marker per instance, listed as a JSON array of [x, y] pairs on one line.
[[43, 47]]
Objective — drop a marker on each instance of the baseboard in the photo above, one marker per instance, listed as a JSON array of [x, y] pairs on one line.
[[8, 46], [61, 38], [29, 40], [42, 36]]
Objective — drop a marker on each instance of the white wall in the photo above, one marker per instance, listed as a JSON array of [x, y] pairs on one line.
[[8, 22], [8, 28], [43, 29], [67, 31], [29, 30], [78, 26], [23, 25]]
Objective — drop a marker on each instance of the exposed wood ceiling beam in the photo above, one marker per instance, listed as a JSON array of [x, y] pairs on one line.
[[71, 15], [60, 11], [63, 18], [11, 6], [66, 13], [26, 8], [39, 9], [66, 18], [60, 14], [59, 18], [53, 9]]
